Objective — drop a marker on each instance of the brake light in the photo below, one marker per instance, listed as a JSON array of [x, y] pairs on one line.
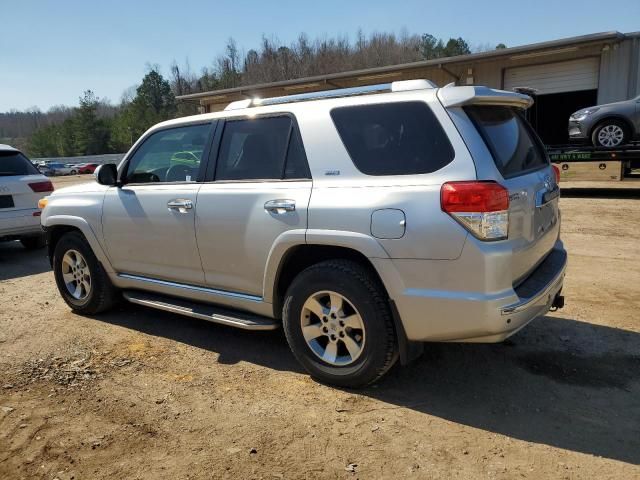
[[40, 187], [481, 207], [556, 170]]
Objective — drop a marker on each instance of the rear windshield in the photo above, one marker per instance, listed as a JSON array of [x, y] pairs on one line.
[[15, 163], [393, 138], [514, 146]]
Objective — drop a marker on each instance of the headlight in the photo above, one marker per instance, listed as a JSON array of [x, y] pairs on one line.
[[582, 114]]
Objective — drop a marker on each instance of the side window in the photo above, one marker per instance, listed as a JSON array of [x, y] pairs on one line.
[[171, 155], [393, 138], [514, 146], [297, 166], [261, 149], [15, 163]]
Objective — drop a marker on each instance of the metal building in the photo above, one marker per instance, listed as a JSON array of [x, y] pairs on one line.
[[567, 74]]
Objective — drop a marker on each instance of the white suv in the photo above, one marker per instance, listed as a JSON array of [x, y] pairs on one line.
[[364, 221], [21, 186]]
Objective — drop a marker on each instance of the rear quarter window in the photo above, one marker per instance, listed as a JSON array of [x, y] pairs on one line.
[[514, 146], [15, 163], [402, 138]]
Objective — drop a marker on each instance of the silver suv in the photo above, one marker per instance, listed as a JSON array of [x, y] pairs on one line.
[[363, 221]]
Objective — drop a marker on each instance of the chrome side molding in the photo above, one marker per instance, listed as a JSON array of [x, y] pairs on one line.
[[196, 288]]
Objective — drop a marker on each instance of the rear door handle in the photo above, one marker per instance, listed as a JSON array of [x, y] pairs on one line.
[[280, 206], [180, 204]]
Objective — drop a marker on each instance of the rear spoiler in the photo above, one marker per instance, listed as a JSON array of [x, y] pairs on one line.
[[461, 96]]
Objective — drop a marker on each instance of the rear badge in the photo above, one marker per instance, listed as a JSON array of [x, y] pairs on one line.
[[517, 195], [332, 172]]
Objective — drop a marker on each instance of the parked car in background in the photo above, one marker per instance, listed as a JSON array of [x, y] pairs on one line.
[[362, 221], [44, 169], [42, 165], [73, 168], [53, 169], [87, 167], [21, 186], [608, 125]]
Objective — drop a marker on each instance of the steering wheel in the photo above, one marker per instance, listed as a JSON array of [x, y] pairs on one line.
[[177, 173]]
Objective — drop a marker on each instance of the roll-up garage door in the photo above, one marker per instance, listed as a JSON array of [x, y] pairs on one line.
[[570, 76]]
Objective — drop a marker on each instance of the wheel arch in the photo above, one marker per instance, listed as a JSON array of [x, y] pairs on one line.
[[614, 116], [300, 257], [57, 226], [356, 245]]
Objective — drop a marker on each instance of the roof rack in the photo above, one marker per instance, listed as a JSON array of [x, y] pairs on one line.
[[401, 86]]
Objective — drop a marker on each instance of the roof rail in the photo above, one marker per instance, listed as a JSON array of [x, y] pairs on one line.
[[401, 86]]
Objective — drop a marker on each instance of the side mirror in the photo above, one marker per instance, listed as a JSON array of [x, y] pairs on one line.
[[107, 174]]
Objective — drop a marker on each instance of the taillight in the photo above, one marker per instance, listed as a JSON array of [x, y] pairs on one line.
[[556, 170], [481, 207], [40, 187]]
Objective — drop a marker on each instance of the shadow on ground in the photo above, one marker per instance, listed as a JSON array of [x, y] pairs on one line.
[[267, 348], [559, 382], [16, 261]]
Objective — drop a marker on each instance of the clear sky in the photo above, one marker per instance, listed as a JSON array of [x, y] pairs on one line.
[[51, 51]]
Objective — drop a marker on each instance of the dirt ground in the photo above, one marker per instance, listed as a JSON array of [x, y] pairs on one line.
[[142, 394]]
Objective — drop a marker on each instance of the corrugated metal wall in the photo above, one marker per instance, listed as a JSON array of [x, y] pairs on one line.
[[619, 79], [619, 72]]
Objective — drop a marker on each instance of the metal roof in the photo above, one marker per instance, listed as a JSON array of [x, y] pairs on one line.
[[251, 90]]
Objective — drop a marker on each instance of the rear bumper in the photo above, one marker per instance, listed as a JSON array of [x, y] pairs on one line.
[[463, 316], [20, 222]]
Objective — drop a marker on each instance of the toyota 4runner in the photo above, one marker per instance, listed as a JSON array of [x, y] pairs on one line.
[[364, 221]]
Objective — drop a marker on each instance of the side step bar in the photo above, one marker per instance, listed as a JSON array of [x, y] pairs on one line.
[[211, 313]]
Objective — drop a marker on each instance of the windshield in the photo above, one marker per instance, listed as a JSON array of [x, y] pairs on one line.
[[15, 163], [515, 148]]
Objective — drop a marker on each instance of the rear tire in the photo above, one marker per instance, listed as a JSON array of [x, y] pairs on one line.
[[33, 243], [81, 280], [338, 324], [610, 133]]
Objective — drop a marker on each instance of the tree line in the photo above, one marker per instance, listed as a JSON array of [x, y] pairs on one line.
[[96, 126]]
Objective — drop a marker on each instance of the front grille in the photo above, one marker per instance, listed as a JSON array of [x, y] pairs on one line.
[[543, 274]]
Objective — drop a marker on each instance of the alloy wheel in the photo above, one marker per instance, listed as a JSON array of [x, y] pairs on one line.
[[610, 136], [76, 274], [332, 328]]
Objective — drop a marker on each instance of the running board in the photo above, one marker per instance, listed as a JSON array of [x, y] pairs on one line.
[[211, 313]]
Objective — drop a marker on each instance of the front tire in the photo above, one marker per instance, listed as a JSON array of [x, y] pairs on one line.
[[338, 324], [81, 280], [610, 133]]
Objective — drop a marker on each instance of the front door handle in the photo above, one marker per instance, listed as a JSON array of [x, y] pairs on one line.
[[280, 206], [180, 204]]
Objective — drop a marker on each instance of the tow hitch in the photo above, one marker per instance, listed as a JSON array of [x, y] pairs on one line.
[[558, 302]]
